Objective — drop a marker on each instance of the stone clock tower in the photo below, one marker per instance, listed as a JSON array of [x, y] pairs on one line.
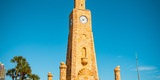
[[81, 58]]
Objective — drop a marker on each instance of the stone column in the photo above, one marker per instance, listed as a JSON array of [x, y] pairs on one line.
[[117, 73], [62, 71], [50, 76]]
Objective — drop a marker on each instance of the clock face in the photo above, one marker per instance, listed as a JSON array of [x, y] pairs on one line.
[[83, 19]]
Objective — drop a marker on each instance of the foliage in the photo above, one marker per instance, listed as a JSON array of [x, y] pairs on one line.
[[11, 73], [34, 77], [22, 70]]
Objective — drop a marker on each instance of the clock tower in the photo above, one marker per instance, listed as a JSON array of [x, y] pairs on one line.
[[81, 58]]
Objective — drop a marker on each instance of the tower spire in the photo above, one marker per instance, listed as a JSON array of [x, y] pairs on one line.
[[79, 4]]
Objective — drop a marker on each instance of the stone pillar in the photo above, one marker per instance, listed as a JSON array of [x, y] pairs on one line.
[[50, 76], [62, 71], [117, 73]]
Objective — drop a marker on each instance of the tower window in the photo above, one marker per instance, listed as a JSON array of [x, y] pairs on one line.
[[81, 4], [84, 54]]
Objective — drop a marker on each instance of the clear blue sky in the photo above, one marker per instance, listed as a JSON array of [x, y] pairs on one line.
[[38, 31]]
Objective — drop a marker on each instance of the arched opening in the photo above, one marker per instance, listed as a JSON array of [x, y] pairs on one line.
[[84, 53]]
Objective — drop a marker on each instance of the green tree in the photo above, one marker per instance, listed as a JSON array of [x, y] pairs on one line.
[[11, 73], [19, 60], [22, 68]]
